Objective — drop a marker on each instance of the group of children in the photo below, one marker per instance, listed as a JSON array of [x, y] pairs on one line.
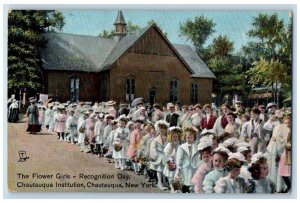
[[218, 153]]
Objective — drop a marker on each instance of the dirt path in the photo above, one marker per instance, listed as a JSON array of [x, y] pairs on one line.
[[55, 166]]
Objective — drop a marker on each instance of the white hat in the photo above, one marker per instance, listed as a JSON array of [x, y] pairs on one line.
[[110, 103], [175, 128], [242, 149], [160, 122], [256, 157], [203, 145], [242, 144], [229, 142], [237, 156], [271, 104], [222, 149]]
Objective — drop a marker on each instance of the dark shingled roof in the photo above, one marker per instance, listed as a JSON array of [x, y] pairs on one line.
[[94, 54], [75, 52], [199, 68]]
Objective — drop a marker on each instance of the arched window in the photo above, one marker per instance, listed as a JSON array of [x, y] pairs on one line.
[[174, 87]]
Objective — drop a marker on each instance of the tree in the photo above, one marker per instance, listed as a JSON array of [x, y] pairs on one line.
[[270, 53], [25, 39], [197, 31]]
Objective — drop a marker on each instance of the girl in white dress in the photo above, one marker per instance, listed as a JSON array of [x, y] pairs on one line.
[[232, 183], [170, 152], [157, 156], [259, 171]]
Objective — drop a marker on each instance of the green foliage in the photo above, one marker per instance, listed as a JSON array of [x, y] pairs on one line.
[[25, 39], [270, 53], [197, 31]]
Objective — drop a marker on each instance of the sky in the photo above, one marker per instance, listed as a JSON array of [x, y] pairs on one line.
[[235, 24]]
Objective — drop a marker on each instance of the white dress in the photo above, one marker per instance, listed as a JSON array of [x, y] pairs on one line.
[[228, 185], [81, 136], [120, 135], [170, 152]]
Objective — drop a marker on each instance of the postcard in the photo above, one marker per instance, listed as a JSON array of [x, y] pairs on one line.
[[150, 101]]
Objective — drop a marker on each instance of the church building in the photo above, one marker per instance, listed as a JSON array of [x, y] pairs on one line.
[[141, 64]]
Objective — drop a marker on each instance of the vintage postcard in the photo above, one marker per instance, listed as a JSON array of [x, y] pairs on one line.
[[150, 101]]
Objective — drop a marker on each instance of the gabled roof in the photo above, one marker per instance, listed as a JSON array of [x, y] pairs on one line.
[[199, 68], [94, 54], [122, 46]]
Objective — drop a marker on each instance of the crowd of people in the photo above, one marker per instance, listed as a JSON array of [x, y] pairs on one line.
[[189, 149]]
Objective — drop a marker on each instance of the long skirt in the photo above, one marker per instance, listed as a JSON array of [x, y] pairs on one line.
[[33, 128]]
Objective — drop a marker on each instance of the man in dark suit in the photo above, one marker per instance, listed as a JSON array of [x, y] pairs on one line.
[[172, 118]]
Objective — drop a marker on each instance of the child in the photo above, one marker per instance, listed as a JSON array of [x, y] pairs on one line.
[[121, 134], [157, 156], [188, 159], [82, 131], [232, 183], [245, 150], [99, 130], [205, 148], [135, 138], [107, 129], [220, 156], [143, 151], [60, 125], [170, 152], [259, 171], [71, 127]]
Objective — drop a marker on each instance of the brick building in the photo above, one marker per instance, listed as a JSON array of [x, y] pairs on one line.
[[142, 64]]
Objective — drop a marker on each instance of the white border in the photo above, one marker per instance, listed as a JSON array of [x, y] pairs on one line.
[[113, 4]]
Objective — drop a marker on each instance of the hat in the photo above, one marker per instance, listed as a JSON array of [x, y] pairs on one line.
[[207, 106], [205, 144], [110, 103], [237, 156], [123, 105], [109, 116], [61, 107], [161, 123], [171, 105], [242, 149], [87, 113], [139, 102], [271, 104], [32, 99], [222, 149], [156, 105], [279, 113], [256, 157], [175, 129]]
